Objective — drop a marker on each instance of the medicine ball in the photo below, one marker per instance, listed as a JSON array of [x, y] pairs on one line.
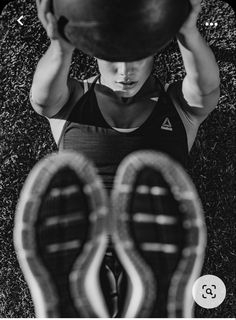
[[120, 30]]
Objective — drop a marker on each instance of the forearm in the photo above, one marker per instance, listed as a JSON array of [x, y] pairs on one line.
[[202, 72], [50, 79]]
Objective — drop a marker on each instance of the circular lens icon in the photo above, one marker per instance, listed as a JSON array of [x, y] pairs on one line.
[[209, 291]]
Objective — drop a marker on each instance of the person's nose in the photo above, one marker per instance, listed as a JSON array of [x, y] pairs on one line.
[[124, 68]]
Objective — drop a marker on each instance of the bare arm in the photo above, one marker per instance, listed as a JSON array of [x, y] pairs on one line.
[[49, 90], [201, 84]]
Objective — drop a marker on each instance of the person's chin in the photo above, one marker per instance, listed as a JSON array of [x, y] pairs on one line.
[[126, 92]]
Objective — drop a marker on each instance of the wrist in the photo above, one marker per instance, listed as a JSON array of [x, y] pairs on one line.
[[61, 49], [188, 31], [191, 35]]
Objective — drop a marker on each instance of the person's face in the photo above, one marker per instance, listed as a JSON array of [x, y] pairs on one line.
[[125, 78]]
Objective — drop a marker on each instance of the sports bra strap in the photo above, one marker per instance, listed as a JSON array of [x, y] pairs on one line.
[[166, 86], [86, 84]]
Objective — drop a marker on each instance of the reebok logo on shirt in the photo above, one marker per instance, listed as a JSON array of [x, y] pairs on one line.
[[166, 125]]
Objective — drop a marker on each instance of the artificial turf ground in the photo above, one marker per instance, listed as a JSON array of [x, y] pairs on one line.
[[25, 138]]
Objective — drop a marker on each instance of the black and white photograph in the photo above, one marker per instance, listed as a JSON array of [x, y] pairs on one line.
[[117, 159]]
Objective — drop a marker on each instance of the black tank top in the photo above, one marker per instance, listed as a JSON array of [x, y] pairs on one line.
[[86, 131]]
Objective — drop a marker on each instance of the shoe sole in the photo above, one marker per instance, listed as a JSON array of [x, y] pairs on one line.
[[60, 242], [146, 284]]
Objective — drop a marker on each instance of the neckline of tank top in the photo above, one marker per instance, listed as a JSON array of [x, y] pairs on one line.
[[145, 123], [125, 130], [150, 90]]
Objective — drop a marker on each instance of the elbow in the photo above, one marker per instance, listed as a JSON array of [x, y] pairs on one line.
[[203, 86], [213, 91], [212, 88], [39, 109], [201, 100], [211, 99], [217, 93]]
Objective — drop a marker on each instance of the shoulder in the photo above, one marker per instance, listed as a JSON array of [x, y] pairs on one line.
[[86, 83], [75, 91], [190, 122], [196, 113], [77, 88], [91, 79]]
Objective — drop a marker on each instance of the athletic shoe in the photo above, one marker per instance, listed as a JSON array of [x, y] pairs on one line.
[[158, 233], [60, 236]]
